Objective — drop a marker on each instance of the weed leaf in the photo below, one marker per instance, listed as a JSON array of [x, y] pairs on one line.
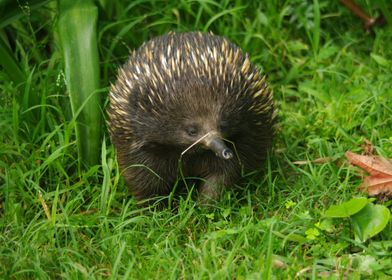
[[346, 209], [371, 220]]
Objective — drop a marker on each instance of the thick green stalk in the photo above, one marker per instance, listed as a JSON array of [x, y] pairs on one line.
[[77, 37]]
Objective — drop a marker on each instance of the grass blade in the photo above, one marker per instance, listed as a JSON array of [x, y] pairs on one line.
[[9, 63], [11, 10]]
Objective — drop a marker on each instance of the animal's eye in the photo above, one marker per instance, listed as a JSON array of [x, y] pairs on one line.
[[192, 130], [223, 126]]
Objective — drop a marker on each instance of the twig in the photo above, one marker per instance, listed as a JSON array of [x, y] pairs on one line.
[[369, 22]]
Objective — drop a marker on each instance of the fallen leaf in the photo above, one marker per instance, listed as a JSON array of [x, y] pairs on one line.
[[380, 170], [277, 262], [374, 165], [367, 147], [375, 185], [44, 205]]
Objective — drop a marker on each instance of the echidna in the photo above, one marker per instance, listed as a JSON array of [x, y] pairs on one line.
[[195, 97]]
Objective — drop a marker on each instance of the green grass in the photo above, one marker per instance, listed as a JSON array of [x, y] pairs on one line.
[[333, 87]]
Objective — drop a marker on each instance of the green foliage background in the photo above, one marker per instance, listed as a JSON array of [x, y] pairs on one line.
[[333, 86]]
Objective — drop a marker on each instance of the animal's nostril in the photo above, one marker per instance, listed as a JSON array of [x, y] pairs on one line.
[[227, 154]]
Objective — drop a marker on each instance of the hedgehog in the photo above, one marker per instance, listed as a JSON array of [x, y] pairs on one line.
[[190, 104]]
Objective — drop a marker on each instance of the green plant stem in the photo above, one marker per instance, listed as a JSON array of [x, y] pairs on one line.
[[78, 41]]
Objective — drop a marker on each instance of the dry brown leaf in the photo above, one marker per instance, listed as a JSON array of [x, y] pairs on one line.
[[44, 206], [380, 170], [367, 147], [374, 165], [375, 185], [277, 263]]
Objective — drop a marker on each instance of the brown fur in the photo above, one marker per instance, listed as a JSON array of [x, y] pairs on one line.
[[174, 90]]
